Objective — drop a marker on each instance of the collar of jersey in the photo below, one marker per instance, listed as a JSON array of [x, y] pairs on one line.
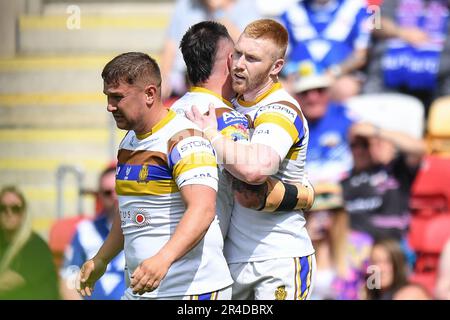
[[273, 88], [170, 115], [204, 90]]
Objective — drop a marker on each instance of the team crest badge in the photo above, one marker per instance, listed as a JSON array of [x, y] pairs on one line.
[[143, 174], [280, 293]]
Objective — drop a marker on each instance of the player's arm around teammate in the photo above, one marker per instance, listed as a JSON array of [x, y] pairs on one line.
[[251, 163]]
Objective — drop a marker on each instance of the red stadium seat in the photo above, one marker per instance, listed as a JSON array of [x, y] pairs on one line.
[[430, 192], [60, 236], [427, 237], [417, 227], [437, 233]]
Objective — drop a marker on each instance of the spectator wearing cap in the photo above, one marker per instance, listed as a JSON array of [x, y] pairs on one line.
[[342, 254], [377, 191], [328, 155]]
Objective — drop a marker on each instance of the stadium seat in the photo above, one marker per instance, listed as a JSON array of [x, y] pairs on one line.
[[430, 192], [392, 111], [438, 137], [430, 221], [437, 233], [427, 237], [60, 236], [416, 233]]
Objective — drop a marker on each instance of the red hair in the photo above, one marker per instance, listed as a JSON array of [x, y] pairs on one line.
[[271, 30]]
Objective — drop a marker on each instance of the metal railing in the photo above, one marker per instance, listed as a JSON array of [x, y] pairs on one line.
[[61, 173]]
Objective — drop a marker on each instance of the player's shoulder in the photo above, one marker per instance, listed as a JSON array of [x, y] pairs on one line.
[[200, 99], [180, 124], [183, 130], [285, 105], [282, 97], [183, 104]]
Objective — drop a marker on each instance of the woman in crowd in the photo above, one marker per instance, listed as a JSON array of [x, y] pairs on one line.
[[26, 265]]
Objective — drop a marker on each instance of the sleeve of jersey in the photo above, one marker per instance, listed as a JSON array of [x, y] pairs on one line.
[[192, 161], [279, 127]]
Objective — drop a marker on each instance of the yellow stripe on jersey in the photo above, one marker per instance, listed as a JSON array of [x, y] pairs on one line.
[[298, 280], [170, 115], [192, 161], [280, 120], [153, 187], [293, 153]]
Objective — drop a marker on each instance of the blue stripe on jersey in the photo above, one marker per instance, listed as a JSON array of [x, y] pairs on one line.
[[206, 296], [131, 172], [298, 123], [174, 157], [304, 271]]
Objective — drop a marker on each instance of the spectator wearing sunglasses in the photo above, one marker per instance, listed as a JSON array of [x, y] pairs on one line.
[[26, 265], [89, 237], [328, 157]]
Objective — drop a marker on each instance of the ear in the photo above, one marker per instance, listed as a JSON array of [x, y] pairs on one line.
[[229, 62], [150, 94], [276, 67]]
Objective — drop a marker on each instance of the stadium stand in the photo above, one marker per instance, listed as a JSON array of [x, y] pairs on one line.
[[52, 111]]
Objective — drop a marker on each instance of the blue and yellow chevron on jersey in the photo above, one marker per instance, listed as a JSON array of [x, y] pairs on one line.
[[278, 123], [152, 169]]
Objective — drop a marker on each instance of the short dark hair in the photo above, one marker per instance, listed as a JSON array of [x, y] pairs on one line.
[[199, 47], [132, 67]]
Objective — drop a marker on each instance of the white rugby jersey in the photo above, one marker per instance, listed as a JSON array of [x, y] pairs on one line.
[[151, 170], [230, 123], [255, 235]]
